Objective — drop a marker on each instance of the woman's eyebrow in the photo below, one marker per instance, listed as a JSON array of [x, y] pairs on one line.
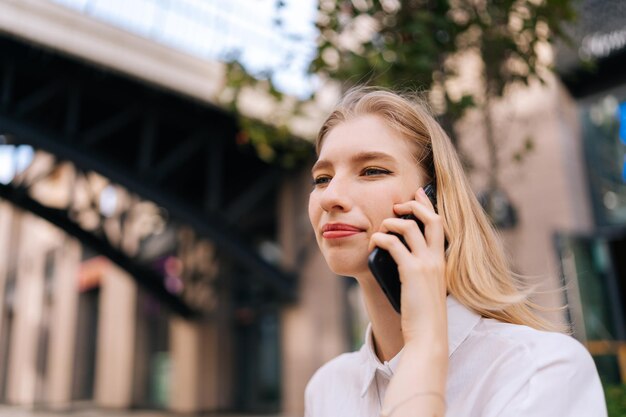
[[358, 158], [372, 156], [321, 164]]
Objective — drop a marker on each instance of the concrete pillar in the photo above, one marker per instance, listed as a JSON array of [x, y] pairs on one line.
[[22, 374], [198, 381], [185, 354], [311, 332], [116, 340], [63, 325], [7, 218], [216, 364]]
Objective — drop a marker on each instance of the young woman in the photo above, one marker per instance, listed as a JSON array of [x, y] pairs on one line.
[[467, 342]]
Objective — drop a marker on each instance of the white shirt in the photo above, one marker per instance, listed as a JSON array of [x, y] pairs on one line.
[[496, 370]]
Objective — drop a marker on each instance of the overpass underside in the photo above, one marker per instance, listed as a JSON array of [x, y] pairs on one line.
[[154, 181], [178, 154]]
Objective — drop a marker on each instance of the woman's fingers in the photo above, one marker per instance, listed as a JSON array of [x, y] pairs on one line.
[[423, 209], [408, 229], [391, 244], [420, 195]]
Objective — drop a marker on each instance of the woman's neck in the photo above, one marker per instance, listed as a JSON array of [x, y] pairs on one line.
[[386, 324]]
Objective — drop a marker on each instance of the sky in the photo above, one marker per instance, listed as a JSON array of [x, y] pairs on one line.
[[13, 159], [215, 29], [212, 30]]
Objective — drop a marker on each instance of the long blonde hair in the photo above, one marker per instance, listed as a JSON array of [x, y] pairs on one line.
[[477, 271]]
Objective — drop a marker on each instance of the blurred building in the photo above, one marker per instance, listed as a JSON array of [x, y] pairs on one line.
[[592, 260], [192, 307], [562, 155], [78, 329]]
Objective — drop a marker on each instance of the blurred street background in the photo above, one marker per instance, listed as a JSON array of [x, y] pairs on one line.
[[26, 412], [156, 256], [14, 411]]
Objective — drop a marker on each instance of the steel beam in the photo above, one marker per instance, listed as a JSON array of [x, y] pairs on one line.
[[130, 133], [147, 278]]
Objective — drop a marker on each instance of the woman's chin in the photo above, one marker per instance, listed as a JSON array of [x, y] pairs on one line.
[[348, 267]]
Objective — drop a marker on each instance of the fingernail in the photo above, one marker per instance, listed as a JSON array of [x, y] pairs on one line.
[[421, 191]]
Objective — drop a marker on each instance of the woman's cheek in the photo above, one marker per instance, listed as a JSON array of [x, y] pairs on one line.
[[314, 210]]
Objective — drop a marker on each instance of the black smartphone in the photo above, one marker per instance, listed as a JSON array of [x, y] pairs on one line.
[[383, 266]]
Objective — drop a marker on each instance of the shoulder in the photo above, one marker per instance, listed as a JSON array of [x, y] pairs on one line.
[[539, 347], [537, 372], [501, 350], [334, 389], [346, 366]]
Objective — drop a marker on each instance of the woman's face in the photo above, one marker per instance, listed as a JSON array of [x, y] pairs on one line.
[[364, 168]]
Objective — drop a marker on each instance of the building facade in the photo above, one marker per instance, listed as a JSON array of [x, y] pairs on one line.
[[77, 330]]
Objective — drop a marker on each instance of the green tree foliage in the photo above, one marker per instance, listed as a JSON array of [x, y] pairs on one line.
[[414, 44], [616, 400]]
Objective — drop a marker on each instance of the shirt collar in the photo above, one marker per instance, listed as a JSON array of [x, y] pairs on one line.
[[461, 321]]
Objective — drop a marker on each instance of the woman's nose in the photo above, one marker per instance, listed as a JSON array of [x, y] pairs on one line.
[[335, 196]]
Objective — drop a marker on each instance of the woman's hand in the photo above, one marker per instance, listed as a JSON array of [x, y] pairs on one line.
[[419, 382], [421, 267]]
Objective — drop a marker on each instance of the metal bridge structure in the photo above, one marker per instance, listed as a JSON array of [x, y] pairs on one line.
[[174, 156]]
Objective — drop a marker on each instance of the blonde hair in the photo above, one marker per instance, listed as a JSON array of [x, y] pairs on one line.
[[477, 271]]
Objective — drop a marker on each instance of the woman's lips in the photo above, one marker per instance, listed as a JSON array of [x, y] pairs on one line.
[[339, 230]]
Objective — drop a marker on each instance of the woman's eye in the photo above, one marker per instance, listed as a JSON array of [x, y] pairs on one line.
[[374, 171], [321, 180]]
